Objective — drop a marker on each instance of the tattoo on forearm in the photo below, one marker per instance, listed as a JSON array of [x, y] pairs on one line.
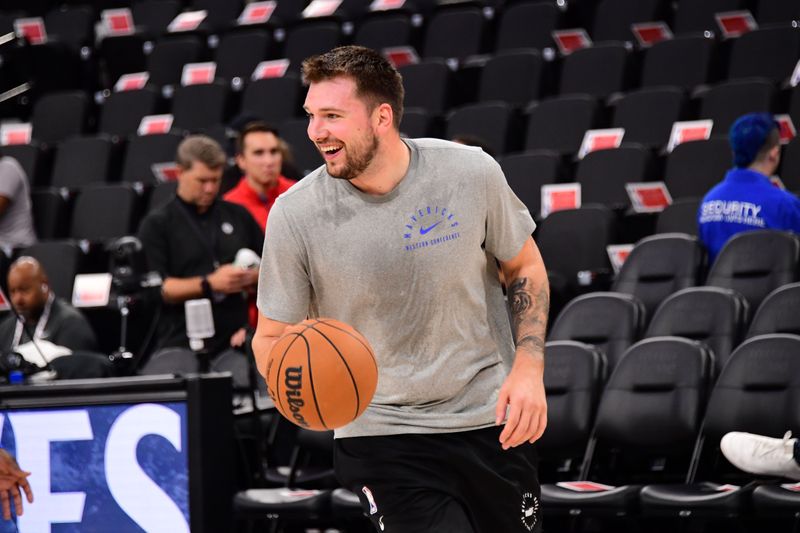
[[531, 343], [520, 299], [529, 307]]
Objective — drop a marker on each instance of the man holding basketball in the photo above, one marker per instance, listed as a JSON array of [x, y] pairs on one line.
[[398, 238]]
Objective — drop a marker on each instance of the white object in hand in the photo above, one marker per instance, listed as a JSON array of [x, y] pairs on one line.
[[247, 258]]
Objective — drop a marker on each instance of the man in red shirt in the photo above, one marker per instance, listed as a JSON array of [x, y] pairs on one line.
[[259, 156]]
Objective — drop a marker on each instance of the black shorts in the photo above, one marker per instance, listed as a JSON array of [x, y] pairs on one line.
[[444, 483]]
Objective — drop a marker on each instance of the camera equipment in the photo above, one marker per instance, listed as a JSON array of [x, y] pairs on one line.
[[11, 362], [130, 280]]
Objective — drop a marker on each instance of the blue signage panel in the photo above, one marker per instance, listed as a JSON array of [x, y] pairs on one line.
[[107, 468]]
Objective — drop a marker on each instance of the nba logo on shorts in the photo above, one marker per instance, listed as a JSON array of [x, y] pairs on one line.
[[368, 493], [530, 511]]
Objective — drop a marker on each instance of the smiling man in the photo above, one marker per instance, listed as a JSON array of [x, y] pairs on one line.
[[398, 237]]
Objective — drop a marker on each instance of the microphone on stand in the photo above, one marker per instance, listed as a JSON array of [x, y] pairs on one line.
[[199, 327]]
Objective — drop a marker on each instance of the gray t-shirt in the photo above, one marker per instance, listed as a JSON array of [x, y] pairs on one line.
[[412, 270], [16, 223]]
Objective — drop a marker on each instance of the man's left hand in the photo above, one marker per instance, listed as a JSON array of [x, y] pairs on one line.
[[523, 396]]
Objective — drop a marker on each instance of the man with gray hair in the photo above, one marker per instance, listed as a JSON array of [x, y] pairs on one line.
[[193, 242]]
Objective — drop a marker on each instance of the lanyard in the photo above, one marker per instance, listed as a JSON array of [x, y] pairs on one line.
[[209, 241], [40, 325]]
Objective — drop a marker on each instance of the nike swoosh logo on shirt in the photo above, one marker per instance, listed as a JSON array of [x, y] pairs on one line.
[[423, 231]]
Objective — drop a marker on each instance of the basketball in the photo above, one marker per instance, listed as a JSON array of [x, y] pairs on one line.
[[321, 374]]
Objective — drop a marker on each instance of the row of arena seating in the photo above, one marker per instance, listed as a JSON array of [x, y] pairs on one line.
[[637, 445], [769, 52], [518, 78], [482, 28], [63, 154]]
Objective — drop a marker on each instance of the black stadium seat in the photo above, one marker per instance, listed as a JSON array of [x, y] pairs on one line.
[[710, 315], [71, 25], [726, 102], [418, 123], [221, 13], [609, 321], [647, 422], [647, 114], [684, 62], [153, 16], [777, 11], [59, 115], [491, 122], [273, 99], [165, 63], [427, 85], [123, 111], [757, 392], [559, 124], [466, 22], [588, 231], [755, 263], [526, 25], [385, 31], [573, 379], [694, 167], [104, 212], [604, 173], [679, 217], [658, 266], [196, 107], [770, 53], [778, 312], [143, 152], [239, 52], [598, 71], [82, 161], [613, 18], [122, 54], [310, 38], [526, 172], [696, 17], [50, 213], [512, 77]]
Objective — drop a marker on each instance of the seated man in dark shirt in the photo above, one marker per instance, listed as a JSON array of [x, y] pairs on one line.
[[193, 242], [57, 327]]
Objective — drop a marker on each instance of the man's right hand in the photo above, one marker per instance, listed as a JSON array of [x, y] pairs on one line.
[[228, 279]]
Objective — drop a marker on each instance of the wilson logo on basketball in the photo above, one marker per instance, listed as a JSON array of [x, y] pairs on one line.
[[293, 379], [322, 374]]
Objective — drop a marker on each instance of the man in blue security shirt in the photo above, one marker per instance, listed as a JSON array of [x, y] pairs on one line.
[[746, 199]]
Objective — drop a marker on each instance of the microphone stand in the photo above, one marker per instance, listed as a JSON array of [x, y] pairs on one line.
[[198, 346]]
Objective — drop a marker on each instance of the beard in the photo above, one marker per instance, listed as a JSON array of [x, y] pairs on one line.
[[357, 161]]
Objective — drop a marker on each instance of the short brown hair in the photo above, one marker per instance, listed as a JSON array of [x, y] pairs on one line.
[[200, 148], [256, 126], [377, 81]]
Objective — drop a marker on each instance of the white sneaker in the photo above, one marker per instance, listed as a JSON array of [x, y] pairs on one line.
[[761, 455]]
